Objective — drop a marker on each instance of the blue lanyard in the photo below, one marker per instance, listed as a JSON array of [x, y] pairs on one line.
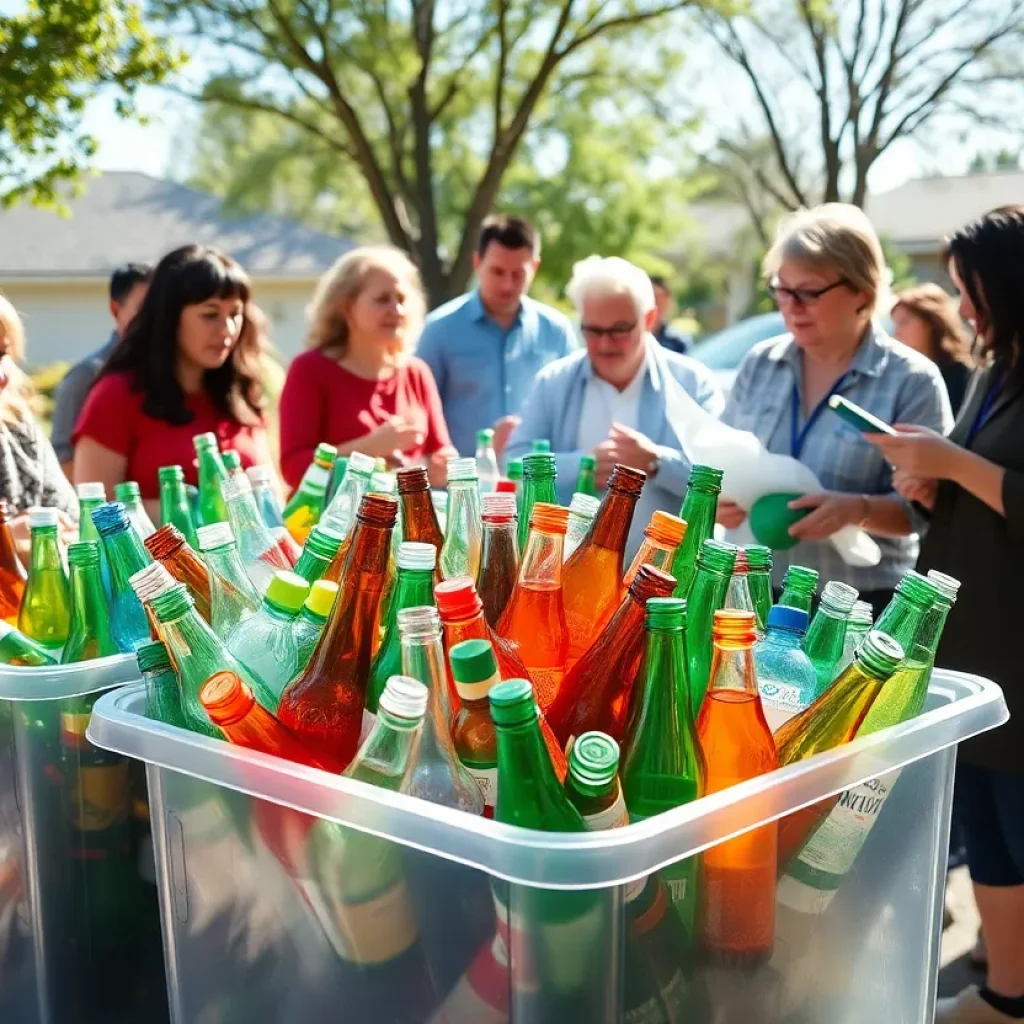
[[798, 437], [985, 412]]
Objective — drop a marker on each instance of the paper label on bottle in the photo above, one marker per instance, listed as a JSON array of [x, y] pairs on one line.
[[487, 780], [614, 816], [780, 702], [478, 690]]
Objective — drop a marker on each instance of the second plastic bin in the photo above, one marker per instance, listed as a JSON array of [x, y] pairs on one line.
[[399, 914]]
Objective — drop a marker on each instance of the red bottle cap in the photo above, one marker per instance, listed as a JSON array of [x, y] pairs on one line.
[[457, 599], [504, 486]]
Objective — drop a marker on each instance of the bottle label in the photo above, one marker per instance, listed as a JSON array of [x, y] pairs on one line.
[[478, 690], [614, 816], [100, 800], [487, 780], [780, 702]]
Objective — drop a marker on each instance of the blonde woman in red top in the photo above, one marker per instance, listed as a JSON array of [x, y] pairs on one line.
[[359, 387]]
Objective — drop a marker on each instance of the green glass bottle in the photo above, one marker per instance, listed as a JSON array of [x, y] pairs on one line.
[[663, 766], [539, 472], [592, 782], [18, 649], [799, 587], [700, 505], [542, 445], [198, 653], [826, 634], [586, 480], [89, 633], [858, 625], [45, 614], [318, 552], [174, 503], [312, 618], [212, 473], [232, 461], [306, 505], [414, 589], [759, 582], [127, 555], [90, 497], [163, 700], [707, 594], [514, 472], [128, 493]]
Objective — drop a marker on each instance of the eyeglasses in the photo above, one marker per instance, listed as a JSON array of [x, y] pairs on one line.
[[617, 332], [801, 297]]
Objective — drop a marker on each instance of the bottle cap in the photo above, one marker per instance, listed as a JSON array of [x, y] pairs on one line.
[[152, 656], [862, 614], [948, 586], [771, 517], [171, 605], [325, 453], [84, 552], [734, 628], [91, 492], [539, 464], [170, 474], [474, 668], [541, 445], [500, 507], [260, 476], [232, 460], [547, 518], [651, 582], [412, 479], [781, 616], [512, 702], [214, 535], [666, 613], [504, 485], [40, 517], [514, 469], [362, 464], [151, 581], [839, 599], [485, 438], [420, 621], [457, 599], [404, 697], [226, 697], [109, 518], [717, 556], [321, 598], [588, 462], [287, 590], [758, 556], [413, 555], [594, 759], [666, 529], [207, 440], [461, 469], [234, 486], [584, 505], [879, 654]]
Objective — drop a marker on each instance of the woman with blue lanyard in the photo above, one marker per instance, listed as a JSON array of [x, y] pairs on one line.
[[973, 483], [826, 273]]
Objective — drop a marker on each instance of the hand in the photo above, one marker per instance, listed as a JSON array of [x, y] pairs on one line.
[[437, 466], [396, 435], [913, 488], [832, 511], [918, 451], [503, 428], [730, 515], [625, 445]]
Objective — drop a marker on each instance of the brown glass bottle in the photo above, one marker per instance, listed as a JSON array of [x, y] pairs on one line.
[[323, 705], [169, 547], [419, 520], [499, 555], [12, 573]]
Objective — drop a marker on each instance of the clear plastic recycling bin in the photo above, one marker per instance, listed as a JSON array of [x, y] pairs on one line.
[[79, 915], [290, 896]]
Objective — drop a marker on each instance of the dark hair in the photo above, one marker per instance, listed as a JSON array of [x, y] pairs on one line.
[[508, 231], [126, 277], [659, 281], [149, 348], [950, 343], [989, 258]]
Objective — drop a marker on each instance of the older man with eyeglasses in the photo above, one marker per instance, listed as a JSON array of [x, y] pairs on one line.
[[609, 400]]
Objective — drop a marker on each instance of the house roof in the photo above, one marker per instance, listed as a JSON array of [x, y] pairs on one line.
[[919, 214], [123, 216]]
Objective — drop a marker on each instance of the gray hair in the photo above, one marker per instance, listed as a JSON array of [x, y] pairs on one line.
[[610, 275]]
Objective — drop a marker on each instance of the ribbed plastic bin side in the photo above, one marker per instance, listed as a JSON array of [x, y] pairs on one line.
[[291, 896], [79, 925]]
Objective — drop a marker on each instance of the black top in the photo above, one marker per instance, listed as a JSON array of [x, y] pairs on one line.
[[957, 376], [985, 551], [672, 339]]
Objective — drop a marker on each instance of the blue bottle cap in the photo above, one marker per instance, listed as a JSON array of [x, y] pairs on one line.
[[784, 617]]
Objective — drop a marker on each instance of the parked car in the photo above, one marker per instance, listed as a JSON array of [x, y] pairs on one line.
[[724, 350]]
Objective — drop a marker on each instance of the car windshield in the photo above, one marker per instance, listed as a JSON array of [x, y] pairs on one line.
[[725, 349]]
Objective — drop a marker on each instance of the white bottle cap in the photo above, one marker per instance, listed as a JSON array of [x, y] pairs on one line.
[[462, 469], [260, 476], [584, 505], [404, 697], [87, 492], [500, 503], [151, 582], [413, 555], [214, 535], [39, 516], [361, 463], [236, 484]]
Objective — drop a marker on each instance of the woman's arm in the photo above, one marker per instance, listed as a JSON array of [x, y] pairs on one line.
[[995, 486], [881, 514], [301, 420], [96, 463]]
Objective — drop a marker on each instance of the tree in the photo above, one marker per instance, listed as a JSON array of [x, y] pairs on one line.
[[53, 56], [834, 84], [429, 101]]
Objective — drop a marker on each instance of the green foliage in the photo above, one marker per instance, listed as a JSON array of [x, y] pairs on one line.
[[54, 55]]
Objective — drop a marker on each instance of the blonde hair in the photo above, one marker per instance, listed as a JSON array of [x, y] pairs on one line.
[[15, 399], [340, 286], [950, 342], [837, 237]]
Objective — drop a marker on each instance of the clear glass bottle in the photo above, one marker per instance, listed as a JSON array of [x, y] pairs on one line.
[[786, 678], [460, 555], [130, 496], [486, 461], [858, 625], [233, 597], [737, 594], [343, 507], [261, 479], [257, 546], [582, 511], [388, 753], [664, 533]]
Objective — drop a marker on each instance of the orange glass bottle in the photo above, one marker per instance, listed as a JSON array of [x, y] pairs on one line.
[[534, 619], [12, 572], [592, 579], [419, 519], [664, 533], [169, 547], [323, 705], [737, 914], [597, 689], [232, 707]]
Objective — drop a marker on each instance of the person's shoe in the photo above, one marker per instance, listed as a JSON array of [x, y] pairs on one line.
[[969, 1008]]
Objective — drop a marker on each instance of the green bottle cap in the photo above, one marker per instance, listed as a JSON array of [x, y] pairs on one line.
[[514, 469], [152, 656], [770, 520], [705, 478], [287, 591], [758, 556], [232, 460], [588, 462], [484, 438], [170, 475], [717, 556], [173, 604], [594, 760], [918, 589], [202, 442], [801, 579], [326, 454], [84, 552], [666, 613], [512, 702], [539, 465], [879, 655], [127, 492], [542, 444], [321, 598], [473, 661]]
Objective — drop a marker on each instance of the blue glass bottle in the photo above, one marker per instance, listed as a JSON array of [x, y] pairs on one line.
[[126, 556]]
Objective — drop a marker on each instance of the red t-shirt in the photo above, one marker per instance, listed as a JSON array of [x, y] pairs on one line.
[[324, 402], [112, 416]]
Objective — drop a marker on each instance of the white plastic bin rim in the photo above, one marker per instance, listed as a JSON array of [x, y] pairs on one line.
[[960, 706], [57, 682]]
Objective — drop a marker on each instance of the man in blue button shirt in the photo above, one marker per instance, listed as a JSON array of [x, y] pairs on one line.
[[486, 347]]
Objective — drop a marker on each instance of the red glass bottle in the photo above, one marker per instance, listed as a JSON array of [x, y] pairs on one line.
[[12, 573], [499, 554], [168, 546]]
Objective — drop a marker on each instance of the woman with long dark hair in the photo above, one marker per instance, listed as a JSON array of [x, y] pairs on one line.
[[187, 364], [973, 481]]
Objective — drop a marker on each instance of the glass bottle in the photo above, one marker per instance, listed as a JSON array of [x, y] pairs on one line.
[[737, 594], [592, 577], [312, 618], [130, 496], [539, 473], [514, 472], [663, 765], [799, 586], [343, 508], [586, 481], [592, 783], [827, 632], [212, 475], [163, 701], [306, 505], [18, 649], [386, 755], [486, 461], [323, 704], [257, 546], [786, 678], [736, 920], [175, 509], [169, 547], [45, 612], [759, 582], [336, 477], [232, 462], [414, 588], [499, 555], [541, 445], [437, 774], [89, 632], [582, 512], [707, 595], [321, 546], [700, 506], [265, 642], [475, 670], [460, 554], [148, 584], [858, 625], [12, 573], [126, 556], [663, 535], [419, 520], [534, 619], [90, 497], [264, 491], [597, 690], [233, 598]]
